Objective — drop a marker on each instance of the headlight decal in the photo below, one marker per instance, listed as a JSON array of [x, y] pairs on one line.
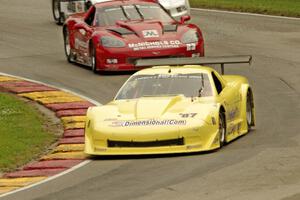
[[189, 37], [108, 41]]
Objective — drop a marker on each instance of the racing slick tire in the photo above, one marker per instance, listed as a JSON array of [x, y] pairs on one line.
[[56, 12], [222, 129], [94, 60], [249, 110], [67, 45]]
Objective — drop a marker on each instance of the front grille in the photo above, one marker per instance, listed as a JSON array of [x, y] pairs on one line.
[[157, 143]]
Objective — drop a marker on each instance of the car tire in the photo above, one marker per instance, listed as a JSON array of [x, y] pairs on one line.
[[56, 12], [94, 60], [222, 129], [67, 45], [249, 110]]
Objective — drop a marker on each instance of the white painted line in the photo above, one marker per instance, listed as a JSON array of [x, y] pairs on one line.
[[66, 171], [48, 179], [245, 13]]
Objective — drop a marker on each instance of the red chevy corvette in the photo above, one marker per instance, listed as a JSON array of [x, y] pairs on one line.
[[112, 35]]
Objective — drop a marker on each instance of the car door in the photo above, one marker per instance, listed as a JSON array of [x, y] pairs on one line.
[[230, 97], [83, 31]]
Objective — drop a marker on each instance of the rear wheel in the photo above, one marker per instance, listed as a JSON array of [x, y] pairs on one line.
[[56, 12], [67, 44], [222, 130], [249, 110]]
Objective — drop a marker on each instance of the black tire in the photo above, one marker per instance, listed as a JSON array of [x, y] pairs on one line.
[[249, 110], [67, 46], [57, 12], [88, 4], [222, 129], [94, 60]]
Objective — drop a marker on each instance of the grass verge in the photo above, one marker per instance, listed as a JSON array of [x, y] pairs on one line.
[[23, 132], [290, 8]]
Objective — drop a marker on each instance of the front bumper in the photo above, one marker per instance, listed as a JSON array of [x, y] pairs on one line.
[[115, 145], [125, 58]]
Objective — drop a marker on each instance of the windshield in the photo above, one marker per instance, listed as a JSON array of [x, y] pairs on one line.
[[108, 16], [189, 85]]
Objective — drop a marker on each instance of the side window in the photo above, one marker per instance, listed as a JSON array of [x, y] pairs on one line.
[[217, 82], [90, 19]]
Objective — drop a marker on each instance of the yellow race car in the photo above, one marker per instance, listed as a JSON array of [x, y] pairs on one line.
[[173, 109]]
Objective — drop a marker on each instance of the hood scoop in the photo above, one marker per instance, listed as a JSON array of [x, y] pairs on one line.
[[121, 31], [154, 107], [170, 28]]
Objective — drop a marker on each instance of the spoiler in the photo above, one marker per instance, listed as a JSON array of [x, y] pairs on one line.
[[216, 60]]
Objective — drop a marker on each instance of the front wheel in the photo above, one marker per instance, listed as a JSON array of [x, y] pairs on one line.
[[67, 44], [222, 130], [249, 110], [56, 12], [94, 60]]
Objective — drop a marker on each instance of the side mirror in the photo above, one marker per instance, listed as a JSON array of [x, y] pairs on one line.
[[185, 18]]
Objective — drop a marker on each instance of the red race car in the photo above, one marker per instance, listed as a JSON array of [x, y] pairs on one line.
[[112, 35]]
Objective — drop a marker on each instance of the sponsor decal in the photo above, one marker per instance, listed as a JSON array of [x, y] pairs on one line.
[[151, 122], [79, 43], [155, 45], [150, 33], [233, 113]]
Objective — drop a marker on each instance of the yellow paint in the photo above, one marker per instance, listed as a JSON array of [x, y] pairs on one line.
[[7, 78], [69, 148], [67, 155], [131, 120], [47, 94], [72, 119], [19, 182], [74, 125], [59, 100], [7, 189]]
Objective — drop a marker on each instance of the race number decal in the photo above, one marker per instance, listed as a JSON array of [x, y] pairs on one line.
[[191, 47]]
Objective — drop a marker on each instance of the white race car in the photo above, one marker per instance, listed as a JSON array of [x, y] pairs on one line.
[[63, 8]]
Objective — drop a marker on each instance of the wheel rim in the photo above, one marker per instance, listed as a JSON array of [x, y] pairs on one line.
[[221, 131], [67, 44], [56, 9], [249, 112], [93, 62]]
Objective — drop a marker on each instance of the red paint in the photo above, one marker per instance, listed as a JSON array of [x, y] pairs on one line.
[[138, 34], [52, 164], [69, 106], [74, 133], [72, 140], [41, 88], [34, 173], [18, 84], [75, 112]]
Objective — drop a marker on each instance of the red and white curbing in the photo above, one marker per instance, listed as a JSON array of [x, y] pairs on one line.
[[68, 155]]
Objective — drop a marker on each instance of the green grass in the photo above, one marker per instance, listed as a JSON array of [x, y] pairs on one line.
[[22, 133], [273, 7]]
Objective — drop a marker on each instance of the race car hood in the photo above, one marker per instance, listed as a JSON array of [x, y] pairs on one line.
[[151, 111], [146, 30]]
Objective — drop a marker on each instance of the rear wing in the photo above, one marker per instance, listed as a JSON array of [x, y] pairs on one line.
[[216, 60]]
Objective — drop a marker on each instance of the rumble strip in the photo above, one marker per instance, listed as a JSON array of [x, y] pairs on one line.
[[68, 153]]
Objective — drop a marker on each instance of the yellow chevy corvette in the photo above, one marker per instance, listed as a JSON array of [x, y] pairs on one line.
[[173, 109]]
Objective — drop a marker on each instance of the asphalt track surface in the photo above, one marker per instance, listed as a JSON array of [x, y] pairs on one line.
[[264, 164]]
